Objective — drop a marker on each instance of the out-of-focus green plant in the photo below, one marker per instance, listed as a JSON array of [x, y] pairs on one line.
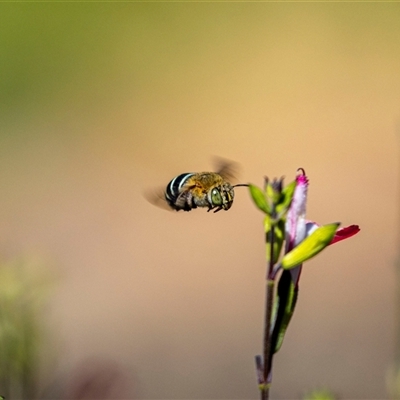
[[393, 371], [393, 381], [24, 288], [319, 394], [286, 228]]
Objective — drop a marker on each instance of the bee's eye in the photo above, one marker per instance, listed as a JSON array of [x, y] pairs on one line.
[[216, 198]]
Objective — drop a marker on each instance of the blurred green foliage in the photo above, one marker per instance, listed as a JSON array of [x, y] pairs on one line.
[[24, 288], [393, 380], [55, 54], [319, 394]]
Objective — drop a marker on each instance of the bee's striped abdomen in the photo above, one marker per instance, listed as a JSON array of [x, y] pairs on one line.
[[174, 189]]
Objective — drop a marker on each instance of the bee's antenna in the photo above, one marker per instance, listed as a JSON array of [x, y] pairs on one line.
[[241, 184]]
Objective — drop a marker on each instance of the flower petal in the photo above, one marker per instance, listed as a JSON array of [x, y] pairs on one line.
[[295, 222], [345, 233]]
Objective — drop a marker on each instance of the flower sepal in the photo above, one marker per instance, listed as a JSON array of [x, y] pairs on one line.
[[259, 199], [285, 199], [310, 246], [279, 236]]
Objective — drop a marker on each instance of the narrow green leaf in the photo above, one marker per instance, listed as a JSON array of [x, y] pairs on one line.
[[259, 198], [279, 236], [310, 246], [272, 194], [285, 304], [286, 197], [267, 228]]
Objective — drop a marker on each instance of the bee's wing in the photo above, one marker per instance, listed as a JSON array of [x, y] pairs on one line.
[[226, 168], [156, 196]]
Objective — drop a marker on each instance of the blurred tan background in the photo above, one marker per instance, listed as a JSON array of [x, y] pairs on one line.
[[101, 101]]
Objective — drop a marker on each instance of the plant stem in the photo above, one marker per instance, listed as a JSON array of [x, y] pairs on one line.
[[267, 353], [267, 337]]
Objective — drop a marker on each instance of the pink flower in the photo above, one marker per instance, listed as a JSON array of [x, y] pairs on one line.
[[305, 239]]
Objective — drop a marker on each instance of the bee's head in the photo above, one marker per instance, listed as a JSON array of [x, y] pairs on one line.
[[221, 197]]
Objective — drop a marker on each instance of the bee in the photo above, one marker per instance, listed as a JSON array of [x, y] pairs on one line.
[[210, 190]]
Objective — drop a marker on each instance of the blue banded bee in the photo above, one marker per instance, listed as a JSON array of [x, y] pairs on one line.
[[205, 189]]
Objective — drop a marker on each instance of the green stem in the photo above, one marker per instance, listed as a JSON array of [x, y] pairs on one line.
[[267, 354], [267, 338]]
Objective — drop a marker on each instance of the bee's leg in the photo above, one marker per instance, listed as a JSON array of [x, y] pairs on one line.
[[215, 208], [183, 201], [189, 200], [210, 207]]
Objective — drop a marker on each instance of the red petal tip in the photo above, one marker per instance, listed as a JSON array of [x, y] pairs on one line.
[[345, 233]]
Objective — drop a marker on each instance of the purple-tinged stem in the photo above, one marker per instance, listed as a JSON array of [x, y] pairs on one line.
[[267, 322]]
